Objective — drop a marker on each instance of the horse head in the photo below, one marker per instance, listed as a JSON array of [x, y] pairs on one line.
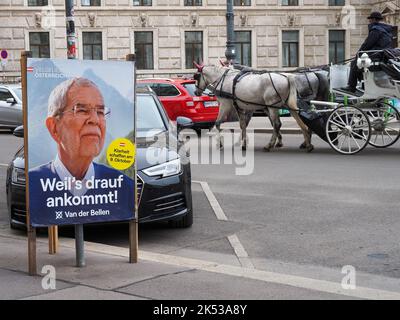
[[201, 84]]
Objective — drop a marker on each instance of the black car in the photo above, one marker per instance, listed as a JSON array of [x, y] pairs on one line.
[[163, 189]]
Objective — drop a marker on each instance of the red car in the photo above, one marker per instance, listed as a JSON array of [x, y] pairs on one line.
[[178, 98]]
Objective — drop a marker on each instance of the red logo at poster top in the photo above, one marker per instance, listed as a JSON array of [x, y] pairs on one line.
[[4, 54], [29, 69]]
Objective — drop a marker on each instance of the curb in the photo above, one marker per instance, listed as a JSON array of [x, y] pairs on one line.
[[267, 130]]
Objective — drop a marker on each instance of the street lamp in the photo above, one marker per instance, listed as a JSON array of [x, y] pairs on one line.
[[230, 53], [71, 37]]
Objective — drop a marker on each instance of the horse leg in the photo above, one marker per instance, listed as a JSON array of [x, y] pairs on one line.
[[224, 109], [276, 125], [306, 132], [279, 144], [220, 141], [243, 121], [304, 144]]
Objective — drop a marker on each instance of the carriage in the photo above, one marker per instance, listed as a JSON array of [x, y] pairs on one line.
[[351, 121]]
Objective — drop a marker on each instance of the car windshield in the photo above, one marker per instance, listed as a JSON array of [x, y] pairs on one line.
[[18, 92], [191, 88], [149, 121]]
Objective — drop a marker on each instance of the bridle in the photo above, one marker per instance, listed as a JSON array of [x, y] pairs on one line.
[[200, 76], [213, 87]]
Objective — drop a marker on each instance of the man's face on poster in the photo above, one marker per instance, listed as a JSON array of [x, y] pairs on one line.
[[81, 126]]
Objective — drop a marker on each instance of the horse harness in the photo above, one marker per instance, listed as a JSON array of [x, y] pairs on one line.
[[242, 74]]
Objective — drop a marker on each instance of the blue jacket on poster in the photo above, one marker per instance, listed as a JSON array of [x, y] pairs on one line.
[[112, 200]]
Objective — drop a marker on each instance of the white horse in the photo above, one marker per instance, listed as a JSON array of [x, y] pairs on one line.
[[268, 91]]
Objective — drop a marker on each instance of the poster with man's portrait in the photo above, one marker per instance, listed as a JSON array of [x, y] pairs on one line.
[[81, 134]]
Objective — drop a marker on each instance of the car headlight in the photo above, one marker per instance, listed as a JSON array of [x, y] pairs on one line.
[[18, 176], [167, 169]]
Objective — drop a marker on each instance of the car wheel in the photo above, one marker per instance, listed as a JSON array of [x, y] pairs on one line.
[[184, 222]]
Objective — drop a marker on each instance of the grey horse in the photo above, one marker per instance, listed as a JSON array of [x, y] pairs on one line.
[[309, 85], [268, 91]]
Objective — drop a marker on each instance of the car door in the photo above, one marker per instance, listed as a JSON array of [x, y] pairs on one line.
[[10, 114], [171, 99]]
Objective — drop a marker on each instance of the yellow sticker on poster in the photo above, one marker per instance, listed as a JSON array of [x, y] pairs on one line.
[[121, 154]]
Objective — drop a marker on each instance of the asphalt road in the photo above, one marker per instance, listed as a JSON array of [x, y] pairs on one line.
[[319, 210]]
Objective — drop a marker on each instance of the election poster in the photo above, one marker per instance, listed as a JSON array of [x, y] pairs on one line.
[[81, 141]]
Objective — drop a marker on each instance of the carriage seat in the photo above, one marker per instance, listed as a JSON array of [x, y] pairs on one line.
[[385, 64]]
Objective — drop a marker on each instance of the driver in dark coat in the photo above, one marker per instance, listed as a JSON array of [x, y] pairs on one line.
[[380, 37]]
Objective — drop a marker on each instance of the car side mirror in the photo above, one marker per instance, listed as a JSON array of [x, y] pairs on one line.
[[183, 123], [11, 101], [19, 132]]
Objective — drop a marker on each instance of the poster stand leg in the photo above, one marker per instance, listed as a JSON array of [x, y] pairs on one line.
[[133, 241], [53, 239], [32, 263], [79, 246], [133, 224], [32, 251]]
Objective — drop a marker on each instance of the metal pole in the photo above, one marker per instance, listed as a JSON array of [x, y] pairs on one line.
[[71, 53], [70, 23], [230, 53]]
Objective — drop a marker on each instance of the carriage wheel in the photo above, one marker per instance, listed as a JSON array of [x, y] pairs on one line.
[[348, 130], [385, 125]]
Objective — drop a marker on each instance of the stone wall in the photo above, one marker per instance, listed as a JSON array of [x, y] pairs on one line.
[[168, 19]]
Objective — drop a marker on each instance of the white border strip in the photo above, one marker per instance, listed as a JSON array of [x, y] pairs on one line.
[[212, 200], [240, 252], [3, 165]]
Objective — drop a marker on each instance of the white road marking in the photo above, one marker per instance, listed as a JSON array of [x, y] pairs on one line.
[[3, 165], [212, 200], [240, 252], [209, 266]]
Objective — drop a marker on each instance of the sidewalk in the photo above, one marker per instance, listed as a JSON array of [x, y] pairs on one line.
[[263, 125], [108, 275]]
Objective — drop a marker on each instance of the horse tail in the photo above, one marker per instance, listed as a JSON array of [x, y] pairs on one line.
[[292, 99]]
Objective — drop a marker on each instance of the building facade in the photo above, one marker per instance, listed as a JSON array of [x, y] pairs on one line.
[[167, 35]]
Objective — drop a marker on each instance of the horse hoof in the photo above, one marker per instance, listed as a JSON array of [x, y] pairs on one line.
[[267, 149], [310, 148], [303, 146], [279, 145], [244, 148]]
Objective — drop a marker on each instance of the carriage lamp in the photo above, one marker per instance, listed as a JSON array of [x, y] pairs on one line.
[[364, 62]]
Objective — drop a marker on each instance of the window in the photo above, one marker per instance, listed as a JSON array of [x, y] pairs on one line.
[[92, 45], [35, 3], [242, 2], [290, 2], [142, 2], [193, 2], [337, 46], [243, 47], [337, 2], [149, 117], [193, 47], [167, 90], [5, 94], [39, 44], [144, 50], [290, 48], [91, 3]]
